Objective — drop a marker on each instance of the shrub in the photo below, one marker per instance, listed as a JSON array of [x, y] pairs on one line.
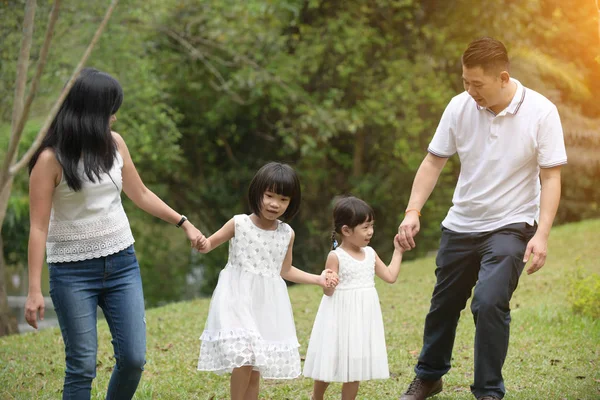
[[584, 294]]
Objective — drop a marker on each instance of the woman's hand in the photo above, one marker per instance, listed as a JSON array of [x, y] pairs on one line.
[[196, 238], [33, 304]]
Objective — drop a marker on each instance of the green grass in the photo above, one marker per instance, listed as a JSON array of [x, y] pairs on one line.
[[554, 354]]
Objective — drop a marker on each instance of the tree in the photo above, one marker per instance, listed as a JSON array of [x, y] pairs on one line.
[[21, 108]]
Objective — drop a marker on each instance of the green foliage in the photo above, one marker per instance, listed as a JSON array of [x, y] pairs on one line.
[[163, 255], [16, 230], [146, 121], [584, 293], [310, 86], [348, 92]]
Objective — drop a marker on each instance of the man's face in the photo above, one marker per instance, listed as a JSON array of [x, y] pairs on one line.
[[484, 87]]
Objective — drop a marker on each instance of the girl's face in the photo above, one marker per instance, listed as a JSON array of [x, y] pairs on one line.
[[361, 235], [274, 205]]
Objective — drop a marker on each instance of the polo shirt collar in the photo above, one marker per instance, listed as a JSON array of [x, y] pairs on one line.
[[516, 101], [518, 98]]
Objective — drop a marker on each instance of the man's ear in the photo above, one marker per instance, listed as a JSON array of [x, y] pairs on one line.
[[505, 78]]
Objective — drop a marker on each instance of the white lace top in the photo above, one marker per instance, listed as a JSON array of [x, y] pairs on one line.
[[353, 273], [91, 222]]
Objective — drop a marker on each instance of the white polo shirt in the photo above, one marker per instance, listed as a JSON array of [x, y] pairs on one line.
[[500, 157]]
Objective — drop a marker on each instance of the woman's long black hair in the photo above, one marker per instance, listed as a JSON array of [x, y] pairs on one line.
[[81, 129]]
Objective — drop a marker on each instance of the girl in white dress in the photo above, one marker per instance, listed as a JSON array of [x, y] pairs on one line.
[[347, 343], [250, 328]]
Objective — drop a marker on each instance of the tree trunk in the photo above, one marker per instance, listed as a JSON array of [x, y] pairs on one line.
[[8, 322]]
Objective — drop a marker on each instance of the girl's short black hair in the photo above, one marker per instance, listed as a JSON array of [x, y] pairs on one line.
[[278, 178], [351, 211]]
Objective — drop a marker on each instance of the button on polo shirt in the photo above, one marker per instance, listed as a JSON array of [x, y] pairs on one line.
[[500, 156]]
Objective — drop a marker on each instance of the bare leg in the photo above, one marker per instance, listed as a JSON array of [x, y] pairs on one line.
[[240, 379], [350, 390], [253, 386], [319, 389]]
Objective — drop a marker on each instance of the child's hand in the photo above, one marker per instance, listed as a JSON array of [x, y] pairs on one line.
[[202, 244], [331, 278], [398, 245]]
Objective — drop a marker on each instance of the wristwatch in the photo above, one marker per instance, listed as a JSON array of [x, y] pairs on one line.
[[181, 221]]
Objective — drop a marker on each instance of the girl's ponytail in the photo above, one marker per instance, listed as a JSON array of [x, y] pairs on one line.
[[334, 242]]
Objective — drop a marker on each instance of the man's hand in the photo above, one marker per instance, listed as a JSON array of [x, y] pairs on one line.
[[408, 229], [538, 246]]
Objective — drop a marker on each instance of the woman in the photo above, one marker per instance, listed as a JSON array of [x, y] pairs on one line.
[[76, 178]]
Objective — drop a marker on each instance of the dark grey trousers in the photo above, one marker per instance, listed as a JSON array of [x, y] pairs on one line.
[[491, 262]]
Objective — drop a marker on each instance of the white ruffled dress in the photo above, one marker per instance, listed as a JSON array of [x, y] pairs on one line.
[[250, 320], [347, 343]]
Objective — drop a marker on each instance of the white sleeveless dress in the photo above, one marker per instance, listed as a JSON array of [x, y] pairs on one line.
[[347, 342], [250, 320]]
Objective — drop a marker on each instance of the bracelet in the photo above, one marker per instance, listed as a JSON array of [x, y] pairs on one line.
[[412, 209], [181, 221]]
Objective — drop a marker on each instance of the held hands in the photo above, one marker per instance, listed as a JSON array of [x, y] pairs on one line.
[[398, 245], [33, 304], [196, 238], [407, 230], [538, 246], [329, 279], [203, 246]]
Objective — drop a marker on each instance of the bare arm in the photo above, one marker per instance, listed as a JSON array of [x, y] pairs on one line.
[[145, 199], [549, 199], [332, 264], [221, 236], [389, 273], [423, 184], [293, 274], [425, 180], [44, 177]]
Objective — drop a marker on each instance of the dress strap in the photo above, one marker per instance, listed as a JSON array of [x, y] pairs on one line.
[[370, 253]]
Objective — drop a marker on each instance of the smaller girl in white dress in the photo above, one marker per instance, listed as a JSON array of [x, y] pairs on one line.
[[347, 343], [250, 327]]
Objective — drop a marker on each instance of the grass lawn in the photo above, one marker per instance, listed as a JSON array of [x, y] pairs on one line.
[[554, 354]]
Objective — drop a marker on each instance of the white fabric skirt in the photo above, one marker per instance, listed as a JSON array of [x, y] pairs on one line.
[[347, 343], [250, 323]]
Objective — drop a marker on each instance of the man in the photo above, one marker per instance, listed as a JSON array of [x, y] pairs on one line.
[[510, 144]]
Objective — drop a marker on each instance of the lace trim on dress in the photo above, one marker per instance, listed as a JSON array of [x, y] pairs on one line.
[[213, 336], [221, 352]]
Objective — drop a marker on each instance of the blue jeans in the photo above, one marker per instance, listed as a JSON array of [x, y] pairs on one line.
[[77, 289]]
